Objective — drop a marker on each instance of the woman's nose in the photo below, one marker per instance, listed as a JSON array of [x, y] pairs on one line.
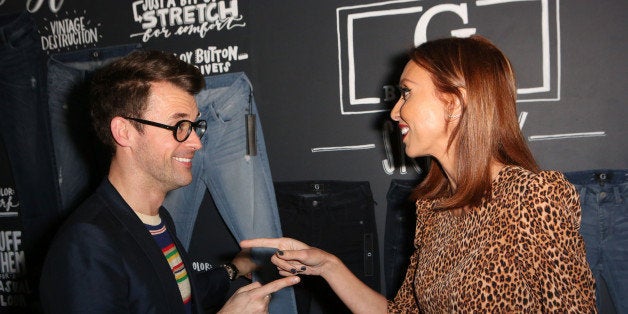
[[394, 113]]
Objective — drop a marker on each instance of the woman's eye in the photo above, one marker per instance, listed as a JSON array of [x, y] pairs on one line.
[[404, 92]]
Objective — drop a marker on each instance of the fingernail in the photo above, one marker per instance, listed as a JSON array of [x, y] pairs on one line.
[[280, 252], [294, 271], [303, 268]]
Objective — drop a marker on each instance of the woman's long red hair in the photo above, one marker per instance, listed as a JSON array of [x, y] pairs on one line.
[[480, 76]]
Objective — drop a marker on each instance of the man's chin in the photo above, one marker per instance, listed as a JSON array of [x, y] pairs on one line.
[[181, 183], [186, 182]]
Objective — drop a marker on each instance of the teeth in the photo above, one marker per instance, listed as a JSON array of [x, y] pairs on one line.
[[404, 131], [182, 159]]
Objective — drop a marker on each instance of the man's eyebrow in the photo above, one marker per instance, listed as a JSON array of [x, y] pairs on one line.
[[179, 115], [183, 115]]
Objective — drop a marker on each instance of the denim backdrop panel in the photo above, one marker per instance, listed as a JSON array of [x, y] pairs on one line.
[[336, 216], [80, 157], [603, 197], [399, 233], [240, 184], [25, 134]]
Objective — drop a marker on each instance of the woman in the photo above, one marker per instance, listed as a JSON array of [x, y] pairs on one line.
[[494, 233]]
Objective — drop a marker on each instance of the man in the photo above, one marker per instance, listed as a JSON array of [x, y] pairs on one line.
[[118, 252]]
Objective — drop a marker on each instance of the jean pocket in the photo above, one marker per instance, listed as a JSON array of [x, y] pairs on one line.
[[228, 111]]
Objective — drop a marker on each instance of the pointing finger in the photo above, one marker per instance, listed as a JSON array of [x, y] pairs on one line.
[[261, 242], [249, 287], [277, 285]]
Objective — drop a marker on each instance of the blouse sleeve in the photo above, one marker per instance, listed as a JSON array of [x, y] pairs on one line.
[[550, 252]]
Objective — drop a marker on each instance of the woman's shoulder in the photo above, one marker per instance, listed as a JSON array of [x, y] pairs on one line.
[[547, 180], [547, 190]]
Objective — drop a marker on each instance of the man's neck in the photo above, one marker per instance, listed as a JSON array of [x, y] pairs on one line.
[[140, 196]]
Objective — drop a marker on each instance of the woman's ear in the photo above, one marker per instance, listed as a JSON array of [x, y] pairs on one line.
[[454, 104], [120, 131], [452, 107]]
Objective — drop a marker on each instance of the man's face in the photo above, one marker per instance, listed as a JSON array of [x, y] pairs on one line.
[[163, 161]]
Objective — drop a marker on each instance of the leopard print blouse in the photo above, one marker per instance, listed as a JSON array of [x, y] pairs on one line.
[[519, 252]]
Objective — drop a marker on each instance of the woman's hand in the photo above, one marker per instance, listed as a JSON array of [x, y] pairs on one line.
[[294, 257], [297, 258]]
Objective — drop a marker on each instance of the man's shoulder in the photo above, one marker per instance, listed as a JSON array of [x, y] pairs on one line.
[[97, 212], [102, 205], [93, 209]]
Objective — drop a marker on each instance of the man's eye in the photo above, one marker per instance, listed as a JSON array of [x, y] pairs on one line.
[[404, 92]]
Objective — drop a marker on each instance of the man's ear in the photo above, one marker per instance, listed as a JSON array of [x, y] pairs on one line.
[[120, 130]]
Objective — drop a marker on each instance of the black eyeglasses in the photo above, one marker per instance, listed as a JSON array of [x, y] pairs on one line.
[[181, 131]]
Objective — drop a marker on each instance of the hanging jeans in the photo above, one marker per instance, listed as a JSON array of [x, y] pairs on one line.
[[336, 216], [241, 185], [399, 233], [81, 158], [604, 197], [25, 134]]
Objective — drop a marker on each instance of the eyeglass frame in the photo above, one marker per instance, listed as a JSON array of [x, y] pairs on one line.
[[199, 124]]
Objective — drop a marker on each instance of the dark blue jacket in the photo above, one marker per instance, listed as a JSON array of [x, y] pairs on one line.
[[103, 260]]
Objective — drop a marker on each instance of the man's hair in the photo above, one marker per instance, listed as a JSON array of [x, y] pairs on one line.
[[481, 78], [122, 87]]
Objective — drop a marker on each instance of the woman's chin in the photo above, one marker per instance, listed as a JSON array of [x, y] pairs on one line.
[[409, 151], [414, 154]]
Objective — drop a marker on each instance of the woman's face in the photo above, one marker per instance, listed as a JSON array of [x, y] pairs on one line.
[[421, 114]]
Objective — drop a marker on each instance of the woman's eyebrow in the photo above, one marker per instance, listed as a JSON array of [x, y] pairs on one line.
[[405, 81]]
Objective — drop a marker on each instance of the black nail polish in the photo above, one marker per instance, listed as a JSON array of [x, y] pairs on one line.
[[294, 271], [280, 252], [303, 268]]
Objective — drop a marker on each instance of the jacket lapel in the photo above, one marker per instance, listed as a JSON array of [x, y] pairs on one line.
[[123, 212]]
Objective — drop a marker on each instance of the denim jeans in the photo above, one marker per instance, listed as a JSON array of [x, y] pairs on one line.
[[25, 134], [240, 184], [336, 216], [81, 159], [399, 233], [604, 197]]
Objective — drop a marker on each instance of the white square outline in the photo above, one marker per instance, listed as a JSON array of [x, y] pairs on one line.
[[545, 37]]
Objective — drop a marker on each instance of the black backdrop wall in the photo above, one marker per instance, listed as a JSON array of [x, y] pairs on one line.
[[324, 72]]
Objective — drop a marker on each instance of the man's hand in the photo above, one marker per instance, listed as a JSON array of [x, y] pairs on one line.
[[244, 263], [254, 298]]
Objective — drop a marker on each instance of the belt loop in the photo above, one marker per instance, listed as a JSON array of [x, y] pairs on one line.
[[618, 198], [583, 195]]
